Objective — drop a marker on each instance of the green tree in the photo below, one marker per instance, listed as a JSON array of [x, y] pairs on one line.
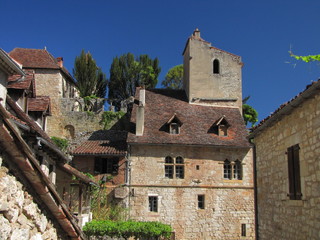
[[250, 115], [128, 72], [309, 58], [90, 78], [174, 77]]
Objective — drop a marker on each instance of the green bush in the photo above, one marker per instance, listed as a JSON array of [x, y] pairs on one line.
[[61, 143], [128, 229], [108, 117]]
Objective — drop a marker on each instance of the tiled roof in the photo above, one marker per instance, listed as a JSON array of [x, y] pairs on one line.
[[103, 142], [18, 82], [18, 113], [39, 104], [287, 107], [37, 58], [197, 120]]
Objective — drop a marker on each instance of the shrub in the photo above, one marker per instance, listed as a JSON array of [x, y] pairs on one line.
[[61, 143]]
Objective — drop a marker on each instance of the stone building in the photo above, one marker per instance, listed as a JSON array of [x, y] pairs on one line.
[[52, 79], [190, 164], [287, 163], [35, 180]]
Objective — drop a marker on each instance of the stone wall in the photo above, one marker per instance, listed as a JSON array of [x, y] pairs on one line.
[[21, 215], [228, 203], [279, 217]]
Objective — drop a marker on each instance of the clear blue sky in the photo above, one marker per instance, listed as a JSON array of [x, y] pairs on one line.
[[262, 32]]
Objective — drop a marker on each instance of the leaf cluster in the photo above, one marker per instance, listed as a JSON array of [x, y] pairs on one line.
[[90, 78], [61, 143], [128, 72], [109, 117], [250, 115], [174, 78], [309, 58], [126, 229]]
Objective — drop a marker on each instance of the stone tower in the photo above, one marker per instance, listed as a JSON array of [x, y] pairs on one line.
[[211, 76]]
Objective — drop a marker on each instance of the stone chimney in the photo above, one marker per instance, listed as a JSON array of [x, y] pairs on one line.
[[60, 61], [140, 112], [196, 33]]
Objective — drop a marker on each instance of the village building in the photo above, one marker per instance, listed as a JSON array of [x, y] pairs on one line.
[[189, 162], [41, 193], [52, 79], [287, 159]]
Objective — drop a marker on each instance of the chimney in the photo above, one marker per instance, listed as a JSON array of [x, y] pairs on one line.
[[60, 61], [140, 112], [196, 33]]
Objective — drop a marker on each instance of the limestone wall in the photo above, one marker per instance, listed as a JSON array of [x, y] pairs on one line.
[[279, 217], [21, 218], [228, 203]]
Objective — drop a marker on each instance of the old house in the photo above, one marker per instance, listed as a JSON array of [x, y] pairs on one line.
[[189, 163], [287, 168], [37, 200], [52, 79]]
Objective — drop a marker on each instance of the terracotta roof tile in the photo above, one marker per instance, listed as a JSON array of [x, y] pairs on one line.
[[17, 82], [103, 142], [197, 120], [39, 104]]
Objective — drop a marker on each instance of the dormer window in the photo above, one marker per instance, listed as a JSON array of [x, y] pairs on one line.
[[220, 127], [174, 125], [216, 66]]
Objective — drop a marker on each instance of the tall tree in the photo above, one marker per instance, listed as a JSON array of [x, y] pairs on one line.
[[250, 115], [128, 72], [90, 78], [174, 78]]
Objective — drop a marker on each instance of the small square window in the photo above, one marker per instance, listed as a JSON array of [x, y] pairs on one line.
[[200, 201], [153, 203], [174, 128], [198, 167]]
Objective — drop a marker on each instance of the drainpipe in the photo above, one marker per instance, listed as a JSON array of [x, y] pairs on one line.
[[256, 219]]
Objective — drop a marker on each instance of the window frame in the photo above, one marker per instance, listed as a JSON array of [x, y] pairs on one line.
[[175, 168], [201, 201], [216, 66], [153, 204], [294, 175]]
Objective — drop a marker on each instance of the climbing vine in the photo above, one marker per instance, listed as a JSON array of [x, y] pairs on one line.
[[109, 117], [61, 143]]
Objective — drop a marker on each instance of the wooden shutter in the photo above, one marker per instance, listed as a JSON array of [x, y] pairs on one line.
[[296, 163], [291, 173]]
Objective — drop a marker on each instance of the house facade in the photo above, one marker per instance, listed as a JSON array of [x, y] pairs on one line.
[[189, 162], [287, 168]]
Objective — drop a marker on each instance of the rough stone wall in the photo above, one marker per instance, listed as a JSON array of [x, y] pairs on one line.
[[228, 203], [279, 217], [200, 80], [21, 218]]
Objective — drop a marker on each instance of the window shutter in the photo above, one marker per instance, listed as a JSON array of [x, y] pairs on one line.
[[291, 173], [296, 163]]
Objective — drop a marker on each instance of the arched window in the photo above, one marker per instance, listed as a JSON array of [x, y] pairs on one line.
[[237, 170], [168, 167], [227, 169], [216, 66], [69, 132], [179, 167]]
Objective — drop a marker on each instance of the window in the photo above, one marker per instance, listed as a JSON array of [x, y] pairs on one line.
[[216, 66], [106, 165], [294, 172], [237, 170], [174, 125], [243, 230], [153, 203], [200, 201], [220, 127], [174, 168], [227, 169]]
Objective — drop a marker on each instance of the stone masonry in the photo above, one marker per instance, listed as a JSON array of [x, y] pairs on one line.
[[279, 217]]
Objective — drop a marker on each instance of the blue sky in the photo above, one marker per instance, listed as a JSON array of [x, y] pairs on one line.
[[261, 32]]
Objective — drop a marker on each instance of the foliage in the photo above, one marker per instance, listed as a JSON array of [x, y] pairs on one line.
[[108, 118], [87, 102], [126, 229], [61, 143], [90, 78], [127, 73], [307, 59], [174, 78], [250, 115]]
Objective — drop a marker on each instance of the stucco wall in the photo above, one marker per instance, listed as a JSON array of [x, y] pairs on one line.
[[279, 217], [228, 203]]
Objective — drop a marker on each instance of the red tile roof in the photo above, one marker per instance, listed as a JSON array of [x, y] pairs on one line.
[[17, 82], [103, 142], [37, 58], [197, 120], [39, 104]]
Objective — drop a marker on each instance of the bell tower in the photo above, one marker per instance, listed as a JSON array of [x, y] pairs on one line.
[[211, 76]]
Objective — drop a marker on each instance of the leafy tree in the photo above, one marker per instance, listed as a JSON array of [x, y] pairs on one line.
[[174, 77], [90, 78], [307, 59], [128, 72], [250, 115]]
